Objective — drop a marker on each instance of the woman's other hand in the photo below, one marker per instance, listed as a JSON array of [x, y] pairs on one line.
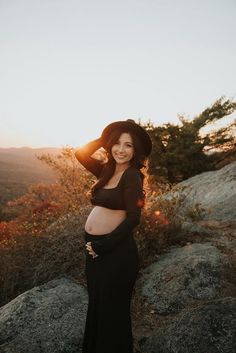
[[90, 249]]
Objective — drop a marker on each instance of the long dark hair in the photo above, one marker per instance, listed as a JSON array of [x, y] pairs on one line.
[[138, 160]]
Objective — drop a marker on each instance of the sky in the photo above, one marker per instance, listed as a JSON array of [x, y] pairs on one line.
[[70, 67]]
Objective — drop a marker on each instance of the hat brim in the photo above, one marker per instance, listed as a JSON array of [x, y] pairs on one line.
[[130, 126]]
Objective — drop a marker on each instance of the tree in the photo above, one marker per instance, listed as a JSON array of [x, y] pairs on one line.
[[180, 151]]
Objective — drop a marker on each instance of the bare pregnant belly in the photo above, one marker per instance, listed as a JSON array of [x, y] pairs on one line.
[[103, 220]]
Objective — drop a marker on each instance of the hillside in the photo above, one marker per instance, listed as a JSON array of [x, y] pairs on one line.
[[184, 300], [20, 168]]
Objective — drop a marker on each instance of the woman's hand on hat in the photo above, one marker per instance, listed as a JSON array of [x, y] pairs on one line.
[[90, 249]]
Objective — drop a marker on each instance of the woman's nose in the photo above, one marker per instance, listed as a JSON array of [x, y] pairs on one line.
[[121, 148]]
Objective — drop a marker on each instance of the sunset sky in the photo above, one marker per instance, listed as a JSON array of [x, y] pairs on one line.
[[70, 67]]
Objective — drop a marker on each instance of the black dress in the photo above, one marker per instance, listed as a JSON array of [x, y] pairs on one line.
[[112, 274], [110, 281]]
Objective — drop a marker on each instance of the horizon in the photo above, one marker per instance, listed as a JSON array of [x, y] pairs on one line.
[[209, 128]]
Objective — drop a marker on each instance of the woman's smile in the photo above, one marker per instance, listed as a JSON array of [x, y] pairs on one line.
[[123, 149]]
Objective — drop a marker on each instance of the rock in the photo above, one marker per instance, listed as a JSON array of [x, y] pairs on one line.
[[193, 228], [214, 191], [46, 319], [181, 276], [210, 328]]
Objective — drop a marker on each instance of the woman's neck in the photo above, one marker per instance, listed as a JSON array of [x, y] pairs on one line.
[[121, 167]]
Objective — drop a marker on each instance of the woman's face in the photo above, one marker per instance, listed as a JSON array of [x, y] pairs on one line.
[[123, 150]]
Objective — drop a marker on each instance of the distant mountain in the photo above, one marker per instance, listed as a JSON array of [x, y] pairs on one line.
[[20, 168]]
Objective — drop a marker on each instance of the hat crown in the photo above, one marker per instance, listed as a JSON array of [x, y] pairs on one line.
[[132, 126], [131, 121]]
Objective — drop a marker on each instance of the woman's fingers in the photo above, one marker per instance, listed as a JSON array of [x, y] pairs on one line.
[[90, 249], [88, 246]]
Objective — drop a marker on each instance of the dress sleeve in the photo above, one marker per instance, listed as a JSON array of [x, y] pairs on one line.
[[84, 153], [134, 201]]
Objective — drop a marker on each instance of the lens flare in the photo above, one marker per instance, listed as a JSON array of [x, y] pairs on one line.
[[161, 218]]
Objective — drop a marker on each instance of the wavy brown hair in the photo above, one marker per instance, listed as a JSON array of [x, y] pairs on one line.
[[138, 161]]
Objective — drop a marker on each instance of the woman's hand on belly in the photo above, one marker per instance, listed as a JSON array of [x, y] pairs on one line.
[[90, 249]]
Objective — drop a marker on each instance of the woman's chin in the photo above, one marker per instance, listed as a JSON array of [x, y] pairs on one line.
[[122, 162]]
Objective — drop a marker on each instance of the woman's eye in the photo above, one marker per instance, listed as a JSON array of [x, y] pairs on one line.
[[127, 145]]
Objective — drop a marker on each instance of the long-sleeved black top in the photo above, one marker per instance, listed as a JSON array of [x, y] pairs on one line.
[[127, 195]]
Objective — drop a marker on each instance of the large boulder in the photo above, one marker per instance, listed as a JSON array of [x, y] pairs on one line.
[[214, 191], [181, 276], [210, 328], [46, 319]]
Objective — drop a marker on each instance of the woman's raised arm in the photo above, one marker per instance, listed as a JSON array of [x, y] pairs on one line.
[[84, 154]]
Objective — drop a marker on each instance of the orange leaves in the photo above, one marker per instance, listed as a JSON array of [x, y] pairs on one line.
[[160, 212], [7, 230], [50, 207], [74, 181], [43, 204]]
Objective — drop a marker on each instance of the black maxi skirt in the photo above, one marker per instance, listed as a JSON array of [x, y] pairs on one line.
[[110, 282]]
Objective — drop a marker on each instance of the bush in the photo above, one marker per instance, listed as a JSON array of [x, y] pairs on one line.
[[161, 224], [28, 260]]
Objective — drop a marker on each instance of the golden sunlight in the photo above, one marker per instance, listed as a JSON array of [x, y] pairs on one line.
[[161, 217]]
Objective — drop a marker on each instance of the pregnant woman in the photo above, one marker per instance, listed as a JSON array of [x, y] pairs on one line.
[[112, 259]]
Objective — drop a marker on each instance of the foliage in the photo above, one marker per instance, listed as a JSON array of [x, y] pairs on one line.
[[161, 225], [180, 152], [19, 168], [43, 204], [27, 260], [75, 181], [37, 246]]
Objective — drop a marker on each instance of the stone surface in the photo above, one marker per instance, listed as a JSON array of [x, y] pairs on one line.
[[46, 319], [182, 275], [210, 328], [214, 191]]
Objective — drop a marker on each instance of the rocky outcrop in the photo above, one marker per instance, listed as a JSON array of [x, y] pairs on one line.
[[214, 192], [190, 292], [46, 319], [210, 328], [182, 275]]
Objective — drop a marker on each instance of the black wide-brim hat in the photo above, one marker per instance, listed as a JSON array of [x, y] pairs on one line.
[[129, 125]]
